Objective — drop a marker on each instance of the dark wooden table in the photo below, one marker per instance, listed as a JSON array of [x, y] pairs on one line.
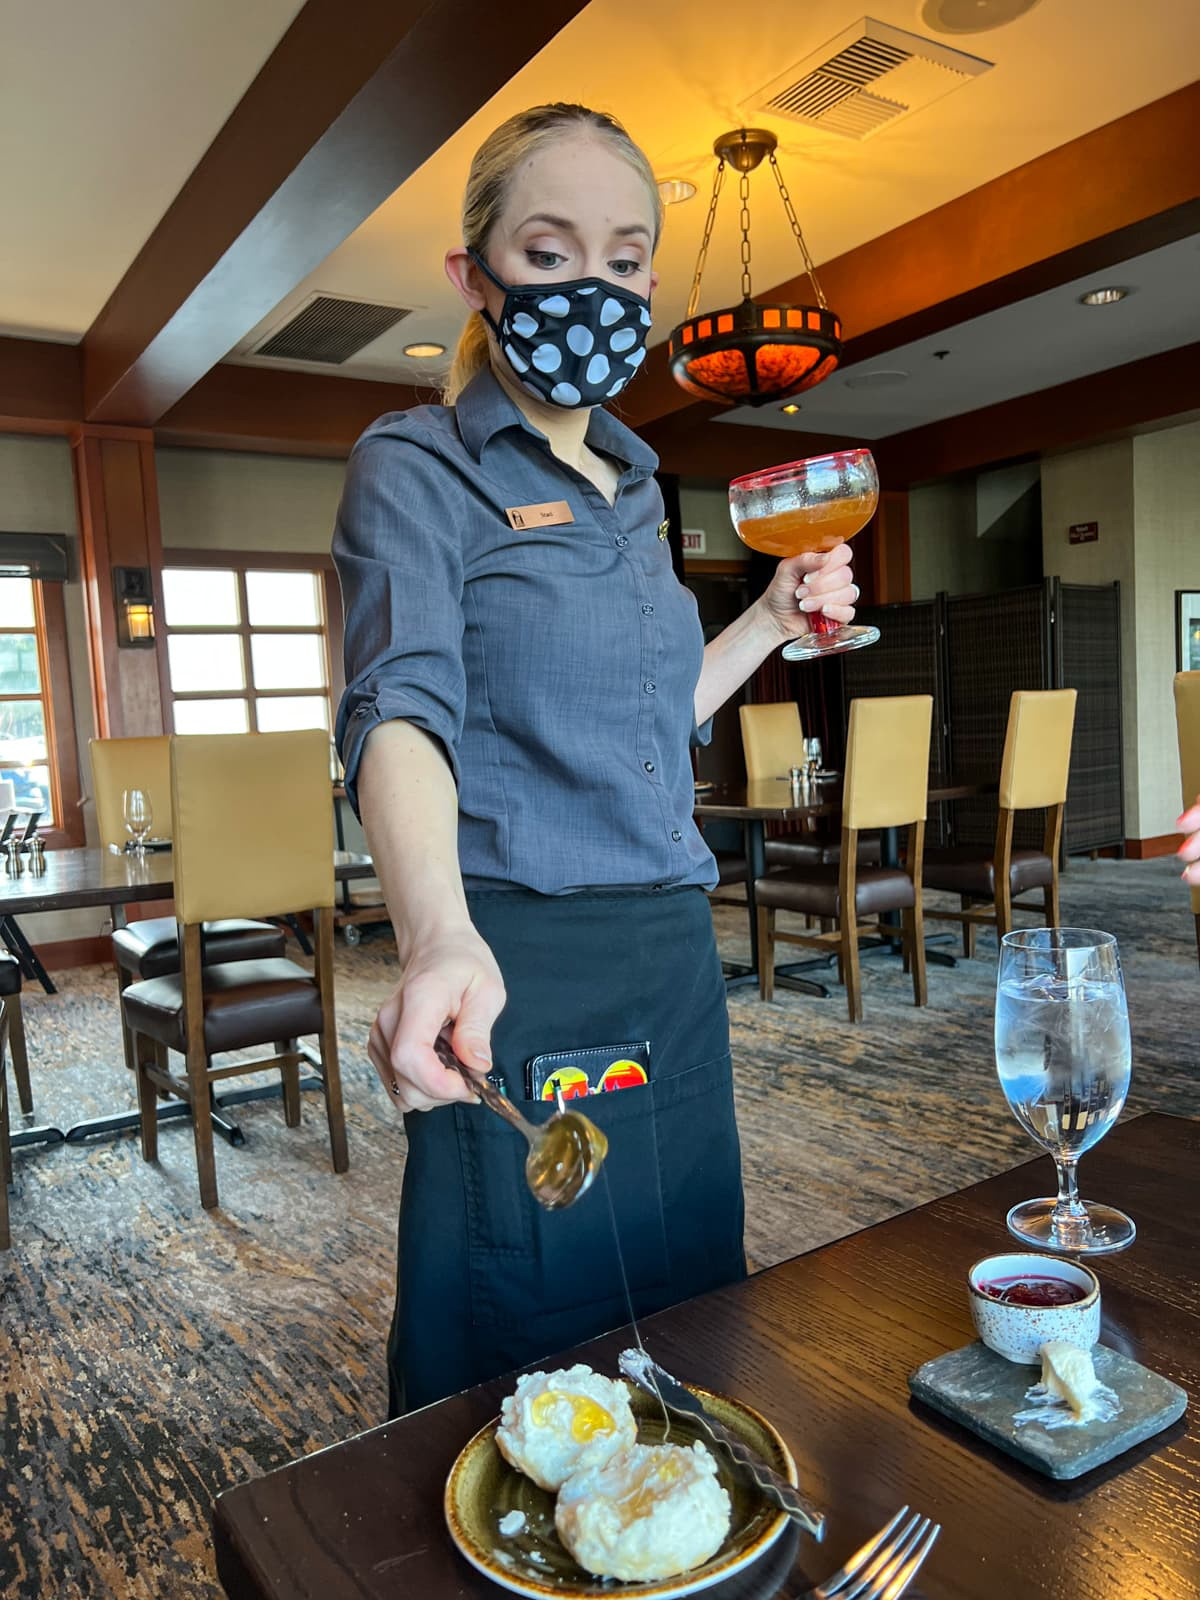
[[774, 800], [92, 877], [823, 1345]]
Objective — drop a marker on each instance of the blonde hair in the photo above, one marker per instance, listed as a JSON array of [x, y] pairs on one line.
[[500, 155]]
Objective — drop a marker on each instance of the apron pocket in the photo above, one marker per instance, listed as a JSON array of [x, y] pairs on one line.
[[526, 1262]]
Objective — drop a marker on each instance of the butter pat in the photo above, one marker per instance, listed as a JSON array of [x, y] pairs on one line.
[[1069, 1394]]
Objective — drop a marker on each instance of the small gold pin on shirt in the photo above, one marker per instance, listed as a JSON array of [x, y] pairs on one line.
[[664, 528]]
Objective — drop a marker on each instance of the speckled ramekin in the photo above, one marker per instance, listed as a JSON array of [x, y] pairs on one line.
[[1017, 1332]]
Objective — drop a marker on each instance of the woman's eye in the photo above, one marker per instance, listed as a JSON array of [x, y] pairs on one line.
[[625, 269], [547, 260]]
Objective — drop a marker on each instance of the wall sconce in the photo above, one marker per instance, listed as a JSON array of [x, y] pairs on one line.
[[135, 607]]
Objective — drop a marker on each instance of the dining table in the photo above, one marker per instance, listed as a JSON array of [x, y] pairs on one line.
[[823, 1346], [82, 877], [778, 799]]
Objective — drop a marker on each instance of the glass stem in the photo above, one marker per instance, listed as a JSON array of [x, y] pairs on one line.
[[1070, 1213]]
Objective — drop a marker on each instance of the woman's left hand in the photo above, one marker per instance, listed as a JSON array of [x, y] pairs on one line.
[[807, 583], [1189, 850]]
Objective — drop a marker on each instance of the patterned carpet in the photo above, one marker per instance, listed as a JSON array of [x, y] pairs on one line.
[[154, 1354]]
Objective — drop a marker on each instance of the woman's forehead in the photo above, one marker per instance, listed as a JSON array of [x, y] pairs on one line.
[[573, 178]]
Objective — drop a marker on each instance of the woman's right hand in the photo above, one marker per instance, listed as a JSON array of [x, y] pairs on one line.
[[451, 984], [1189, 850]]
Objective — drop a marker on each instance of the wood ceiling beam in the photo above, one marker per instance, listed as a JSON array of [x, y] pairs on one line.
[[1116, 192], [40, 386], [356, 96]]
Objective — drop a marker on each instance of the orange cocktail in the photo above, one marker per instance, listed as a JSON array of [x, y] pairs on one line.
[[809, 505]]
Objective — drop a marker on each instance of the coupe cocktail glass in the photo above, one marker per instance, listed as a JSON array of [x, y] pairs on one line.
[[809, 505]]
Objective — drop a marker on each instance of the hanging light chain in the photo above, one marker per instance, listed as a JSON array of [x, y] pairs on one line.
[[788, 207], [702, 258], [744, 223]]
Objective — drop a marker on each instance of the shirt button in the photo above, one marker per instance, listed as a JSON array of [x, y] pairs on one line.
[[676, 835], [647, 611], [649, 766], [649, 686], [362, 711], [622, 541]]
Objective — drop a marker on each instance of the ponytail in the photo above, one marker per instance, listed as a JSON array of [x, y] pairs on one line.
[[471, 355]]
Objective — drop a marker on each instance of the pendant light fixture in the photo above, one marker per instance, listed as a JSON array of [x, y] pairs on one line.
[[753, 354]]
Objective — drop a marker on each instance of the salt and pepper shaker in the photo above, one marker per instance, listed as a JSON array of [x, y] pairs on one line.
[[37, 855], [13, 864]]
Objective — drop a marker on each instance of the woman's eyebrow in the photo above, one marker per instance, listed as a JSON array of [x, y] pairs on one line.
[[569, 227]]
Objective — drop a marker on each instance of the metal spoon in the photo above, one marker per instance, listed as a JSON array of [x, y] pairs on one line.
[[565, 1153]]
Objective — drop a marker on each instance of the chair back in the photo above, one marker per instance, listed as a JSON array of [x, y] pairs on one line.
[[1037, 749], [120, 764], [1187, 721], [253, 824], [772, 739], [887, 761]]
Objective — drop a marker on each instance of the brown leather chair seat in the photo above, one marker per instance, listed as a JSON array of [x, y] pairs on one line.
[[245, 1002], [151, 948], [817, 850], [962, 870], [731, 867], [10, 974], [816, 891]]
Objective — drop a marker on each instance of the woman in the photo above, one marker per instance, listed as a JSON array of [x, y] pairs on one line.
[[524, 675]]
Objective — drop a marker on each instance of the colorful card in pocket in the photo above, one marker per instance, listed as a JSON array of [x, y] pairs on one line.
[[602, 1069]]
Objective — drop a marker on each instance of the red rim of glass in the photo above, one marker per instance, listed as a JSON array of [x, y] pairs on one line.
[[772, 475]]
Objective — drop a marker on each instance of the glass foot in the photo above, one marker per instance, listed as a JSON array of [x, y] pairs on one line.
[[850, 637], [1102, 1231]]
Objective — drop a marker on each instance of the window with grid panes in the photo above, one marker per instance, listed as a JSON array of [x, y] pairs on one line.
[[247, 649], [25, 754]]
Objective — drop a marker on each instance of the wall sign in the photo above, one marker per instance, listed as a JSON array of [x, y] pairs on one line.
[[694, 543], [1083, 532]]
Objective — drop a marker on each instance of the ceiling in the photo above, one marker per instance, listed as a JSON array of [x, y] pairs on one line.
[[104, 111], [670, 73], [1030, 345]]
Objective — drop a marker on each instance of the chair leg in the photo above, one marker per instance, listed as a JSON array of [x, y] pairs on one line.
[[914, 938], [124, 979], [20, 1060], [766, 952], [290, 1073], [1053, 916], [964, 901], [849, 964], [5, 1158], [202, 1129], [145, 1050]]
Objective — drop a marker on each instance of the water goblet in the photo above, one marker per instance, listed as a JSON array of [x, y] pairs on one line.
[[139, 817], [1063, 1058]]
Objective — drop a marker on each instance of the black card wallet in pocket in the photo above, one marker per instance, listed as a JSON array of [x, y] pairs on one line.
[[601, 1069]]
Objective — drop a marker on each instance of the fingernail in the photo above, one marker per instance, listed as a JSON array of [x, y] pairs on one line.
[[801, 591], [810, 605]]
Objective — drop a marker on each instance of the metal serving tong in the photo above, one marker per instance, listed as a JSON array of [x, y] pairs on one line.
[[639, 1368], [565, 1153]]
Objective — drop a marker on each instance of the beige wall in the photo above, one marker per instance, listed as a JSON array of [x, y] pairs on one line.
[[1145, 495], [703, 507], [229, 500], [37, 495]]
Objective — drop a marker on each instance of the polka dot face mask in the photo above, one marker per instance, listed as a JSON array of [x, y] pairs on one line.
[[573, 344]]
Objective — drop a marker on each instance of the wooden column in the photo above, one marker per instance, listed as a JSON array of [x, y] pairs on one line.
[[117, 490], [892, 571]]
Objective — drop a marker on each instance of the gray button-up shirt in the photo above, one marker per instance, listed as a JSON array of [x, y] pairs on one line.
[[556, 664]]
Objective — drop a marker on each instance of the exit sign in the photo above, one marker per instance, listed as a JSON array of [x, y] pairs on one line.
[[1083, 532], [693, 541]]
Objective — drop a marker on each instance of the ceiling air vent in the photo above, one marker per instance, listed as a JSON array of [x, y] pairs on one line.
[[330, 329], [864, 79]]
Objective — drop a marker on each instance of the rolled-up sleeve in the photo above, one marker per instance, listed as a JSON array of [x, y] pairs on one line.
[[398, 552]]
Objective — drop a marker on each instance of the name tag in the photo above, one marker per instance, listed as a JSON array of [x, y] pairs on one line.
[[551, 514]]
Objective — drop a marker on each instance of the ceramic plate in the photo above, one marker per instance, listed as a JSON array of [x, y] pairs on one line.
[[483, 1487]]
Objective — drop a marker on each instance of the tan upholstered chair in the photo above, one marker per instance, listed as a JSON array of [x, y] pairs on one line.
[[1033, 776], [280, 860], [1187, 720], [150, 948], [772, 744], [886, 782]]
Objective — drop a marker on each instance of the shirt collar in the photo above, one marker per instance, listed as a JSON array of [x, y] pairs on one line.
[[483, 409]]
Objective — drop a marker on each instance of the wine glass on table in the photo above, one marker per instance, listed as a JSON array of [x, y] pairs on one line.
[[1063, 1057], [139, 818], [809, 505]]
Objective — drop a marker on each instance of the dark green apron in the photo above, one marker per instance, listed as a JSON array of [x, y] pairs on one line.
[[487, 1280]]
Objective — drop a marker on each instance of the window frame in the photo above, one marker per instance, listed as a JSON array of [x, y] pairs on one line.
[[240, 562], [58, 712]]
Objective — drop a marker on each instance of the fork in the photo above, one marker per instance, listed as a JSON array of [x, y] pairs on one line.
[[886, 1564]]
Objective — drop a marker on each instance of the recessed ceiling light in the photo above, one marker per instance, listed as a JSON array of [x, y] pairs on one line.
[[1103, 297], [424, 351], [972, 16], [790, 409], [673, 190], [882, 378]]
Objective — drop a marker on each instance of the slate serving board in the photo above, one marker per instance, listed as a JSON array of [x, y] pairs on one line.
[[983, 1391]]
